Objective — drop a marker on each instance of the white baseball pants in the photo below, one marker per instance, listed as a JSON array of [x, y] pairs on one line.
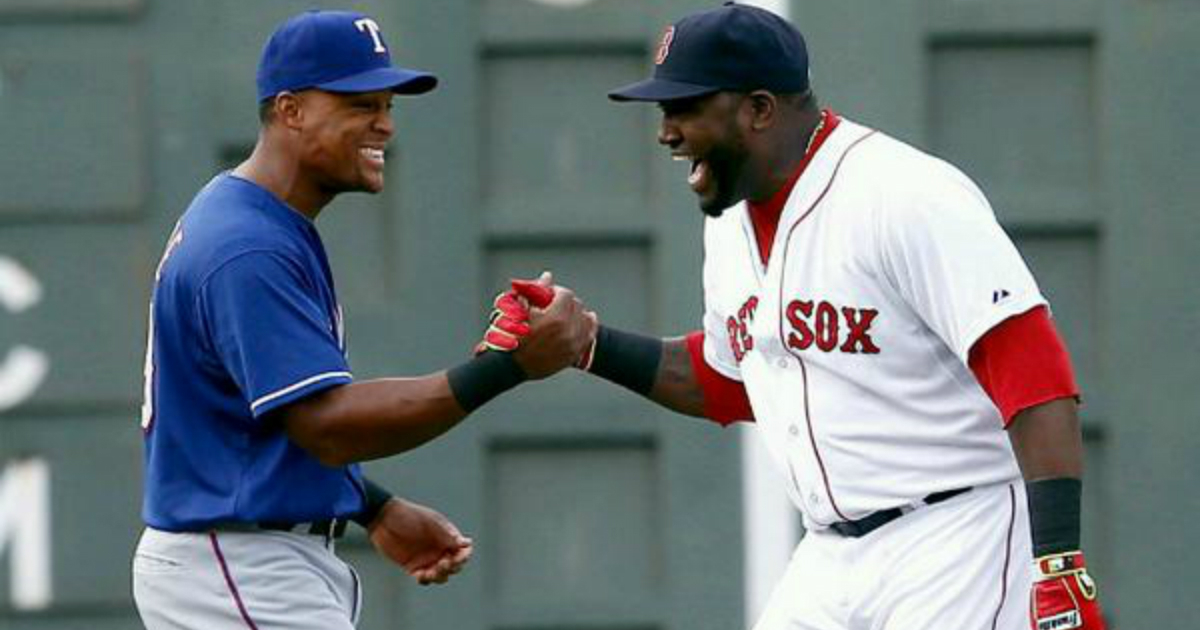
[[965, 564]]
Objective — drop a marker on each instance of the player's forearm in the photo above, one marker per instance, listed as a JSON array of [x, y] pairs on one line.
[[1047, 440], [1049, 447], [373, 419], [659, 369], [675, 384]]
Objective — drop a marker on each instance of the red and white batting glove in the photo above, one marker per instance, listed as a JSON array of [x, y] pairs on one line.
[[1064, 595], [508, 323], [540, 296]]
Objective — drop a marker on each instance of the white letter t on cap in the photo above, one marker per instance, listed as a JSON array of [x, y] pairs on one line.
[[367, 25]]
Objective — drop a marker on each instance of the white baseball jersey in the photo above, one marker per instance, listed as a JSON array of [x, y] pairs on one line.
[[852, 342]]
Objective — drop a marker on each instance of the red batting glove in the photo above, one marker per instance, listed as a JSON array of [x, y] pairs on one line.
[[506, 326], [540, 296], [1064, 595]]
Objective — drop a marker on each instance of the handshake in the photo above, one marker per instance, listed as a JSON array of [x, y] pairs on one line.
[[545, 327]]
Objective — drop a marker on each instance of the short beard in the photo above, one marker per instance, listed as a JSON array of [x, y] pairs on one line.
[[731, 161], [713, 212]]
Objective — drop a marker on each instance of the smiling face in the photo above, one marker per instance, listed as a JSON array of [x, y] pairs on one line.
[[342, 138], [707, 131]]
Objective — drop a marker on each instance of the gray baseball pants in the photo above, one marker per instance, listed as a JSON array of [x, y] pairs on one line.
[[243, 580]]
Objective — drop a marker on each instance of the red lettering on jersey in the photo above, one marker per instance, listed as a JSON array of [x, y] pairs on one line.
[[820, 323], [798, 313], [858, 320], [827, 326], [740, 340], [735, 340]]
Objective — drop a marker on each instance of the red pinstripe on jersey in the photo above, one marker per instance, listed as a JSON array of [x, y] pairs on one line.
[[783, 334]]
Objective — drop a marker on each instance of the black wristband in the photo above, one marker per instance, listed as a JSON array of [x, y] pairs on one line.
[[1054, 514], [376, 496], [627, 359], [483, 378]]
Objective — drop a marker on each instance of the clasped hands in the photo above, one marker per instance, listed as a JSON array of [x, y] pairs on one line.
[[544, 326]]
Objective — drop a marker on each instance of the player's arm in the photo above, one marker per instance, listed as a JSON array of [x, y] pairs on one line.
[[671, 372], [659, 369], [425, 543], [1023, 365], [372, 419], [377, 418], [680, 379]]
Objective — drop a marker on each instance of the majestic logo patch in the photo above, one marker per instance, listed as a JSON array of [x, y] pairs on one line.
[[1000, 295], [664, 45]]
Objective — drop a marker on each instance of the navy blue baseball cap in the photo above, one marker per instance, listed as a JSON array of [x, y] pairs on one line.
[[335, 51], [732, 47]]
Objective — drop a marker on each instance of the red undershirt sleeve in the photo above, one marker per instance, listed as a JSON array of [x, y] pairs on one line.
[[725, 400], [1022, 362]]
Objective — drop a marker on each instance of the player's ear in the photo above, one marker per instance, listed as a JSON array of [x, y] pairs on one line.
[[288, 110], [763, 107]]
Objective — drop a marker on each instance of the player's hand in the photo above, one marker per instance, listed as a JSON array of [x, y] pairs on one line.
[[539, 294], [509, 322], [1064, 595], [561, 330], [425, 543]]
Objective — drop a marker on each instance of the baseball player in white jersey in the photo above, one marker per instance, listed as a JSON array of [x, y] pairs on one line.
[[864, 308]]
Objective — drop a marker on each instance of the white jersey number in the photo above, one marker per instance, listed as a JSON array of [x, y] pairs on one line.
[[148, 368]]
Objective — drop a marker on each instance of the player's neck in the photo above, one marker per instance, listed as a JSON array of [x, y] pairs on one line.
[[280, 175], [784, 157]]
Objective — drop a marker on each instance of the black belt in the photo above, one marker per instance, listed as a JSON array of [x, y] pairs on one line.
[[329, 528], [875, 520]]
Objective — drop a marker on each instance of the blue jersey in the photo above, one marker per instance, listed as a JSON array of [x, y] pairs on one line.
[[243, 320]]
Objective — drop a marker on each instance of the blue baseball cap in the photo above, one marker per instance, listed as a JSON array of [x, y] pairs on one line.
[[732, 47], [335, 51]]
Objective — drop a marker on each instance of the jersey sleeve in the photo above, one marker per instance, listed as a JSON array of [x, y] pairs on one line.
[[950, 260], [1023, 362], [270, 332], [718, 352], [725, 400]]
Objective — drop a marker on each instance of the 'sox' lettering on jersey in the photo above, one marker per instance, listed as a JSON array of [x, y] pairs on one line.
[[820, 324], [739, 332]]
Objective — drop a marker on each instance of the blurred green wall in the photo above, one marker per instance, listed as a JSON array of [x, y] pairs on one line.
[[590, 508]]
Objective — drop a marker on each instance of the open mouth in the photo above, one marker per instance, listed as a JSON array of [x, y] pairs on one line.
[[699, 174], [372, 155]]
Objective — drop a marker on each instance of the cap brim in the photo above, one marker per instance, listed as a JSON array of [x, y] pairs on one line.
[[398, 80], [658, 90]]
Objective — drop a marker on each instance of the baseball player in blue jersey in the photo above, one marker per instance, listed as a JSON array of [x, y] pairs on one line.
[[252, 419]]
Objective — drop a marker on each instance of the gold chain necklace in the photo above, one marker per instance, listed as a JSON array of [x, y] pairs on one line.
[[812, 137]]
